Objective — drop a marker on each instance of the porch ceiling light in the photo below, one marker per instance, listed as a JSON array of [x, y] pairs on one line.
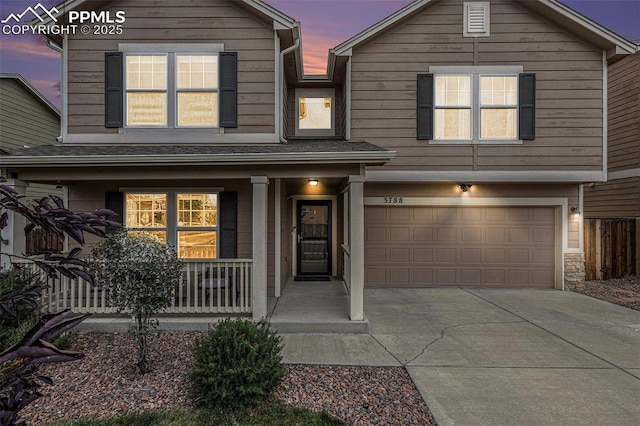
[[314, 182], [465, 186]]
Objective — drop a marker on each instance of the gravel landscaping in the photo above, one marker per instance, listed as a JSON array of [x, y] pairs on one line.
[[105, 383], [621, 291]]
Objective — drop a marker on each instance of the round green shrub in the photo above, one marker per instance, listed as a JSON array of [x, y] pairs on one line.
[[238, 364]]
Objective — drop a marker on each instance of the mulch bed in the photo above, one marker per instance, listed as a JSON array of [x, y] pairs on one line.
[[621, 291], [105, 383]]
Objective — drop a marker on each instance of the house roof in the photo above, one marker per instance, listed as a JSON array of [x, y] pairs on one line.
[[258, 5], [298, 151], [552, 9], [29, 87]]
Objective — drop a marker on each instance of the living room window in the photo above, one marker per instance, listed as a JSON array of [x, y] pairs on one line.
[[188, 221], [481, 104]]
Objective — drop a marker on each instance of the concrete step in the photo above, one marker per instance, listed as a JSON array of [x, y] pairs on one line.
[[328, 327]]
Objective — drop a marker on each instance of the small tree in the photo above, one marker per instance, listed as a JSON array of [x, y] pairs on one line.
[[140, 273]]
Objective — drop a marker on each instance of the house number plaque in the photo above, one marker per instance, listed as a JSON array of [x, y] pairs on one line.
[[393, 200]]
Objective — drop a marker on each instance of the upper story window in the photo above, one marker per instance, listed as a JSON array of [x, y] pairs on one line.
[[157, 97], [476, 104], [171, 86], [315, 112]]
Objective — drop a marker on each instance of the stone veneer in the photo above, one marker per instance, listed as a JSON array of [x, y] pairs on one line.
[[574, 272]]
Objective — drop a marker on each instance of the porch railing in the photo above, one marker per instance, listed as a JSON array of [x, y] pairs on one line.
[[207, 286]]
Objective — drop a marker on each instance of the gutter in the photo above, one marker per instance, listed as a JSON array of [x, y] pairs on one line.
[[283, 53], [199, 159]]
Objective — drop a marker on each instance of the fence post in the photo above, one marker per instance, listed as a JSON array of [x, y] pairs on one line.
[[598, 250], [637, 246]]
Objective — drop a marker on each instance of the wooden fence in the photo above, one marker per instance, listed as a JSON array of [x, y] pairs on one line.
[[39, 239], [611, 248]]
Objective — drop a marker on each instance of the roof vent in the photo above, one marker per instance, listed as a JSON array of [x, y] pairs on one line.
[[476, 19]]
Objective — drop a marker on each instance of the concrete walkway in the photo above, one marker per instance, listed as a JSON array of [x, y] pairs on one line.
[[499, 357]]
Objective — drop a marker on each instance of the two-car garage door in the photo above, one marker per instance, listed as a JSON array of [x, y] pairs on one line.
[[422, 246]]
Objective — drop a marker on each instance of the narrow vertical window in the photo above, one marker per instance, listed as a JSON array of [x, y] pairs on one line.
[[453, 107], [197, 226], [498, 107], [197, 90], [146, 90]]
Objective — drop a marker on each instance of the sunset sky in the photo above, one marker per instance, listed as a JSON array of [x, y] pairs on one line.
[[325, 24]]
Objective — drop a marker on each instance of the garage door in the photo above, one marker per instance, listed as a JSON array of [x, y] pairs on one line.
[[460, 246]]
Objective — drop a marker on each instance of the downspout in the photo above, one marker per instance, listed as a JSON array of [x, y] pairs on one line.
[[63, 70], [283, 53]]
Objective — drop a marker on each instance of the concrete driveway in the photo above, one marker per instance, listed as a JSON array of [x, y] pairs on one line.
[[512, 357]]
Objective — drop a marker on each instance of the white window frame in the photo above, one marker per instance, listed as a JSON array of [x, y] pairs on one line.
[[316, 93], [476, 72], [172, 227], [172, 50], [132, 90]]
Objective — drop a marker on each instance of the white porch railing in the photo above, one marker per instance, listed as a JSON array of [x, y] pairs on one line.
[[207, 287]]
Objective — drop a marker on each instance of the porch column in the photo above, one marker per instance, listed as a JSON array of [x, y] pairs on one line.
[[259, 231], [356, 247], [13, 238]]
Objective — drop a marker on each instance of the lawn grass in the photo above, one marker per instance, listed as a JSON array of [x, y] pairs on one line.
[[270, 415]]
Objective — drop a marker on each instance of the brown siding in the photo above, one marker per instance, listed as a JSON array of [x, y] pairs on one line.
[[163, 21], [569, 95], [616, 198], [624, 114]]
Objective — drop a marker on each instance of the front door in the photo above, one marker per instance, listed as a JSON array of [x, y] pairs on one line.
[[314, 237]]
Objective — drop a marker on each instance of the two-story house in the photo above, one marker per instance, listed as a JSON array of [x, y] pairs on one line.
[[445, 146]]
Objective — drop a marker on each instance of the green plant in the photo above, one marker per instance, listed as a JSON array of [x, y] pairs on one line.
[[140, 272], [238, 364], [21, 314]]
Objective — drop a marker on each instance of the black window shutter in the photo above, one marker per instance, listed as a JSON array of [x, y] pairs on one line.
[[115, 201], [228, 225], [113, 89], [228, 64], [527, 106], [425, 107]]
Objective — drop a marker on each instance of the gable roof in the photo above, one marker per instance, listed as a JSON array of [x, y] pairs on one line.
[[259, 6], [30, 88], [599, 35]]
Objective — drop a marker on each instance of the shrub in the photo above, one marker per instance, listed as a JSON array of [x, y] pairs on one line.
[[238, 364], [22, 316], [141, 274]]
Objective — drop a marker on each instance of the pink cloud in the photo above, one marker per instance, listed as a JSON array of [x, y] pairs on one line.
[[316, 47], [27, 47]]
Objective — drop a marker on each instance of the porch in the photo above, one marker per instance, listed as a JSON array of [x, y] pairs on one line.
[[314, 307]]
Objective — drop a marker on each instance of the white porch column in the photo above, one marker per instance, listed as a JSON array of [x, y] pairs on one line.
[[356, 234], [259, 231], [13, 239]]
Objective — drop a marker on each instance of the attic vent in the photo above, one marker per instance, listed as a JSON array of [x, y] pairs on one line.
[[476, 19]]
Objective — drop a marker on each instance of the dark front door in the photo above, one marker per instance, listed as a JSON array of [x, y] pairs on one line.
[[314, 237]]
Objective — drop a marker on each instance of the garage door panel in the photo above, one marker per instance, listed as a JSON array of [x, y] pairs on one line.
[[472, 235], [422, 255], [479, 246]]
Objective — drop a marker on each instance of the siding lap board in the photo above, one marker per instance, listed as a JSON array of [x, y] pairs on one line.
[[569, 95], [195, 21]]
